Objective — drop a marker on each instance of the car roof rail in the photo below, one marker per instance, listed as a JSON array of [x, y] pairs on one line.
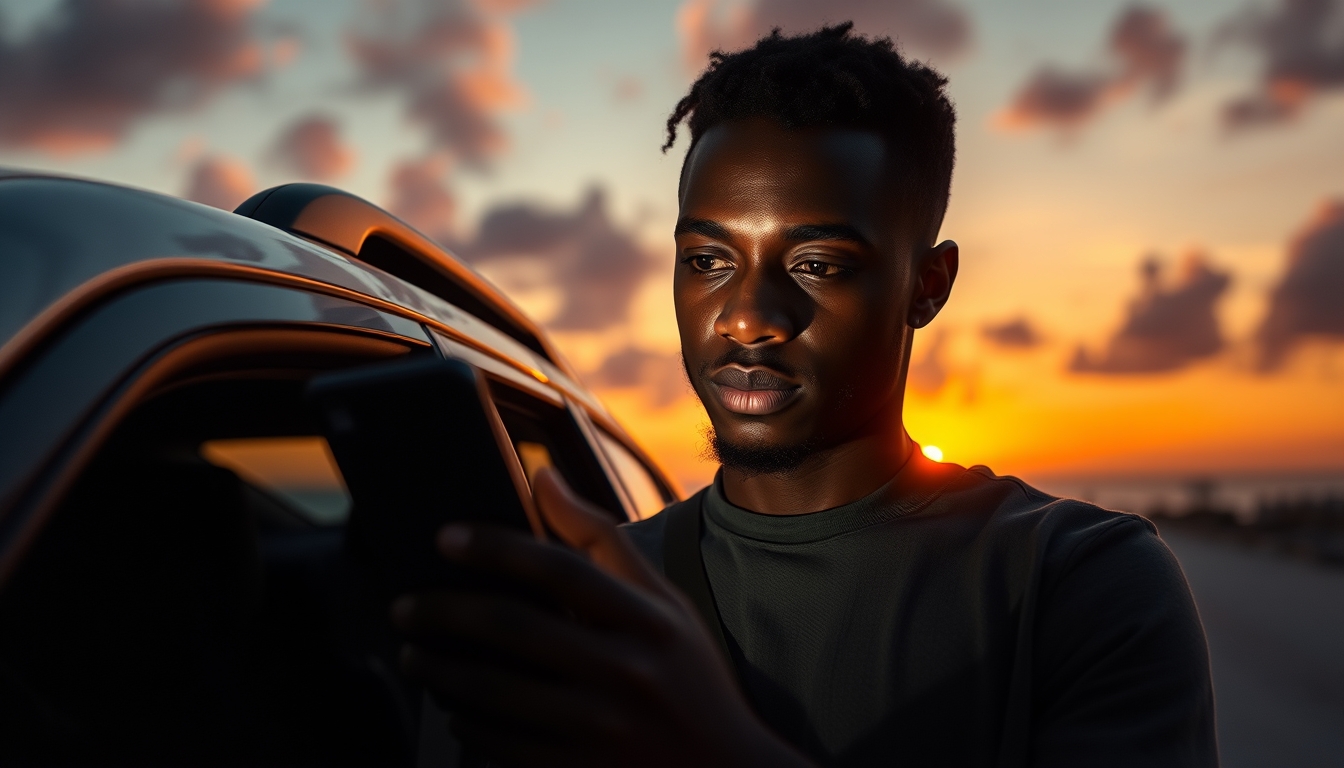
[[370, 234]]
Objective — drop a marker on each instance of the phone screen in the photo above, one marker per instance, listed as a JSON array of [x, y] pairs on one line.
[[420, 445]]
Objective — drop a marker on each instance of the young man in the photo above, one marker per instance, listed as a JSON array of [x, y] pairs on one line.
[[876, 608]]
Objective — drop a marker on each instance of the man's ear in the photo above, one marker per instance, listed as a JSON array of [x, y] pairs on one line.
[[935, 271]]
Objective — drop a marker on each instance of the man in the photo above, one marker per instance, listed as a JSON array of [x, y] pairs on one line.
[[877, 608]]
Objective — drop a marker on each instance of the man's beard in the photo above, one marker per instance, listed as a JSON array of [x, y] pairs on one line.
[[751, 458], [757, 459]]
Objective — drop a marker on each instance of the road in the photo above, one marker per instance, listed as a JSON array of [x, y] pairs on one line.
[[1276, 638]]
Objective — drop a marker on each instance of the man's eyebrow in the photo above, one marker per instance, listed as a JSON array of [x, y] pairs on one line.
[[800, 232], [825, 232], [710, 229]]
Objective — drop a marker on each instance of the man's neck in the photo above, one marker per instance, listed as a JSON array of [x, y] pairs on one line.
[[831, 478]]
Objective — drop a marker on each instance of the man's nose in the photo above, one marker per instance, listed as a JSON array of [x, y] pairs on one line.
[[758, 311]]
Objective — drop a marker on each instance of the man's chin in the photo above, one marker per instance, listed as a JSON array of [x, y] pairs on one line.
[[751, 457]]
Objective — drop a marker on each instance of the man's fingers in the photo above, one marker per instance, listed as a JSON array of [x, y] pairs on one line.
[[554, 573], [482, 688], [503, 624], [587, 529]]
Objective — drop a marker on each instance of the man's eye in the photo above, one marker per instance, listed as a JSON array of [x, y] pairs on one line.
[[818, 268], [701, 262]]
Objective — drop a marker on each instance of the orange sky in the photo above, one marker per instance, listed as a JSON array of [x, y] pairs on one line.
[[1093, 138], [1021, 413]]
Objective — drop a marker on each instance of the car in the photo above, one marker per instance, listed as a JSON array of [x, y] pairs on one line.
[[174, 587]]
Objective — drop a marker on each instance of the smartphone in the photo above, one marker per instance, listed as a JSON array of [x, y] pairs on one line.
[[420, 444]]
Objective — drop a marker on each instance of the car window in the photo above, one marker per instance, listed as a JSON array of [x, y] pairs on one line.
[[645, 493], [199, 540], [67, 378], [299, 470], [533, 456], [545, 434]]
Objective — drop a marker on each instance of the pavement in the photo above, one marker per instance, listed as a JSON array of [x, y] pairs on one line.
[[1276, 640]]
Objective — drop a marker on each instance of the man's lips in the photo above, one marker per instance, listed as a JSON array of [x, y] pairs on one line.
[[753, 391], [750, 378], [756, 402]]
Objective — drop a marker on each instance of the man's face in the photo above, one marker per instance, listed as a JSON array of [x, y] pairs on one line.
[[792, 289]]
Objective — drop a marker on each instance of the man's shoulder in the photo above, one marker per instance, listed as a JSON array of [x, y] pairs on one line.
[[1006, 514], [1005, 500]]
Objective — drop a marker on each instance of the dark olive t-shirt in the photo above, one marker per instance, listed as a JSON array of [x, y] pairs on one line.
[[957, 618]]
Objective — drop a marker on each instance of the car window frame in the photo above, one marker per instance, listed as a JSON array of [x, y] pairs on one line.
[[62, 396], [667, 495]]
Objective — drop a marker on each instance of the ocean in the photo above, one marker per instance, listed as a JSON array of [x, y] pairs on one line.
[[1246, 497]]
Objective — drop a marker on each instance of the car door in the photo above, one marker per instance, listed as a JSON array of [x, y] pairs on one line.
[[162, 601], [171, 532]]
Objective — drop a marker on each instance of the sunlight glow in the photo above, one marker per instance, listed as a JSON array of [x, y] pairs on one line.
[[933, 452]]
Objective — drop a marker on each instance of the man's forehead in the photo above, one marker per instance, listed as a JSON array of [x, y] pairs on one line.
[[759, 165]]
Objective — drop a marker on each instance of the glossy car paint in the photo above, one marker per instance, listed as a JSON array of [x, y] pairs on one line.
[[95, 274]]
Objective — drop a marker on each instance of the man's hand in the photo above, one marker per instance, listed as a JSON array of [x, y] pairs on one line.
[[623, 673]]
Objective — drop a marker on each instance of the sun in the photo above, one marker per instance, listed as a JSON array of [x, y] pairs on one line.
[[933, 452]]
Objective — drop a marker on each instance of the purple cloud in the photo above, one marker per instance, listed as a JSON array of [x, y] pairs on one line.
[[1144, 52], [312, 148], [1150, 52], [1303, 53], [422, 198], [451, 62], [661, 375], [1017, 333], [1057, 98], [91, 69], [1168, 327], [597, 265], [1309, 300]]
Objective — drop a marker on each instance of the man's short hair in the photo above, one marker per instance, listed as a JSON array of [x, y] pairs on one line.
[[833, 78]]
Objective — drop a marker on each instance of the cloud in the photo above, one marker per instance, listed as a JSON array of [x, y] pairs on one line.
[[929, 27], [421, 196], [1017, 333], [83, 77], [1150, 52], [312, 148], [596, 265], [1308, 300], [220, 181], [1168, 327], [661, 375], [1056, 98], [1144, 53], [451, 61], [1302, 43]]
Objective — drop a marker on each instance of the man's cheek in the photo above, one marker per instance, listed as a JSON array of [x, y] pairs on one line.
[[858, 386]]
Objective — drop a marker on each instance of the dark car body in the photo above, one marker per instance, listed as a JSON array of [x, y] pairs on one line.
[[162, 599]]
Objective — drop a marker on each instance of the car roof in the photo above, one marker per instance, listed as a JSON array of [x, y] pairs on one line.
[[62, 238]]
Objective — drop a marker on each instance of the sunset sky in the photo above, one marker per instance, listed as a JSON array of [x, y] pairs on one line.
[[1149, 199]]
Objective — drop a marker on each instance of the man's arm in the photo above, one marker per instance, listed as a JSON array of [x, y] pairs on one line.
[[1123, 668], [620, 670]]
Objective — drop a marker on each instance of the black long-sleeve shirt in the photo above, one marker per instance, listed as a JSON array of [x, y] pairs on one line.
[[958, 618]]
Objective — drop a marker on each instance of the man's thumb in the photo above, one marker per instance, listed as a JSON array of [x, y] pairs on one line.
[[584, 527]]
